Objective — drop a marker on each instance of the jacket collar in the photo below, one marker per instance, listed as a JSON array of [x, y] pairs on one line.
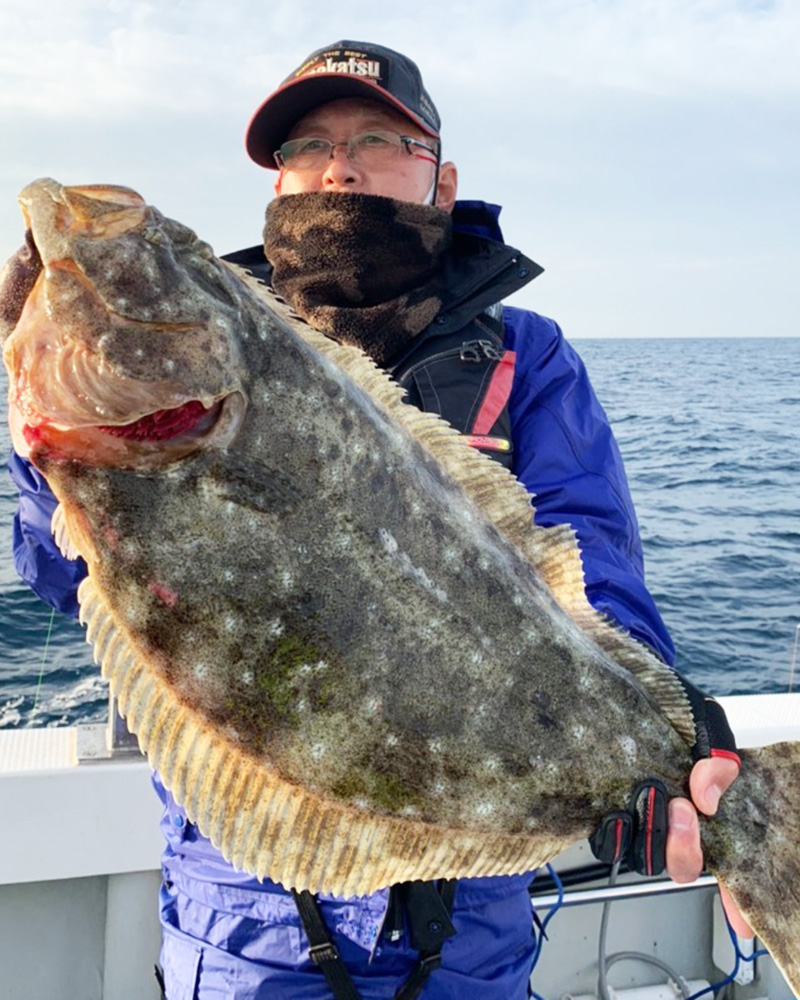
[[478, 218]]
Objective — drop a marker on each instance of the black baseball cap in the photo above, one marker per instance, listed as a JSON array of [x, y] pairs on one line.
[[344, 69]]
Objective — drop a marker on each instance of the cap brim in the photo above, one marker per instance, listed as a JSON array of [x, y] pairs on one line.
[[278, 114]]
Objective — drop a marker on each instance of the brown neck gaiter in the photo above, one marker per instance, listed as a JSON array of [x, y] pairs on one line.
[[362, 268]]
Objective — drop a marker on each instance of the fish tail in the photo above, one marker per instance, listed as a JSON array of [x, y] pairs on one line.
[[752, 845]]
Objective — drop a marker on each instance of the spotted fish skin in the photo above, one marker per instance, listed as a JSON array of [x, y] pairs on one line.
[[332, 625]]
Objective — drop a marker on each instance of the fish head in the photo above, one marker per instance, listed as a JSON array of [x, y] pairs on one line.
[[120, 333]]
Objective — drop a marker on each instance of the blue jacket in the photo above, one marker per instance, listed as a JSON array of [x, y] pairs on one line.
[[226, 934]]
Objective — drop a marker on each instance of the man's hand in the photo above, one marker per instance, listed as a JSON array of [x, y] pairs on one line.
[[707, 782], [652, 836]]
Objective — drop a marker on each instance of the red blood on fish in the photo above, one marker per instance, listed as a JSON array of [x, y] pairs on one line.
[[161, 425], [31, 434], [163, 593]]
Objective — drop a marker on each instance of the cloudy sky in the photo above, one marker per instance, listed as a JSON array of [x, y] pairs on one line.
[[646, 152]]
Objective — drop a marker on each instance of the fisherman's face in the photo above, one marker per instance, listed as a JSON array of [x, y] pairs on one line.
[[408, 178]]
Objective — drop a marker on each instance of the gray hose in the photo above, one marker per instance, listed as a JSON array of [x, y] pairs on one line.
[[604, 963]]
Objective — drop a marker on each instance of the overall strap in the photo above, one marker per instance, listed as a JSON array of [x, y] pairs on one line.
[[322, 951], [465, 377], [428, 909]]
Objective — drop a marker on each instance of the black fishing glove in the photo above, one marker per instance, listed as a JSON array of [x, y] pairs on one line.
[[713, 735], [638, 835]]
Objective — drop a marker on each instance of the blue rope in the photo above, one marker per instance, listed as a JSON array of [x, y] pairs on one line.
[[537, 951], [740, 957]]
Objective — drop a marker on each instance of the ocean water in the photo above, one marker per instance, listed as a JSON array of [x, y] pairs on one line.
[[710, 434]]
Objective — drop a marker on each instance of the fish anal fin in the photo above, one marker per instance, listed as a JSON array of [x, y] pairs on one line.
[[70, 539]]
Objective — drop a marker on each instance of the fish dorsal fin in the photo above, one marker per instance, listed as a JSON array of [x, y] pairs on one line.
[[554, 552]]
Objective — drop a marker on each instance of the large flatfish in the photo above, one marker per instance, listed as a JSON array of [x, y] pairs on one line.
[[333, 626]]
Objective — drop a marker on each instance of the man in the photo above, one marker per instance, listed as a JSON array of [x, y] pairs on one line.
[[415, 278]]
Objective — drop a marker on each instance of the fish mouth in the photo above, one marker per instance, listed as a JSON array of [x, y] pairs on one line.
[[151, 441], [192, 419], [116, 356]]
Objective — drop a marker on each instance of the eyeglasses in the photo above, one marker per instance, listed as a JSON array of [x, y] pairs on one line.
[[368, 148]]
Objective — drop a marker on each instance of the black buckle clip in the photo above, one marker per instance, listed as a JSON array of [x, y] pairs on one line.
[[474, 350], [325, 952]]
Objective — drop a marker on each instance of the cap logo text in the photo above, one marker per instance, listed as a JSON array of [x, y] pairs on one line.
[[370, 68]]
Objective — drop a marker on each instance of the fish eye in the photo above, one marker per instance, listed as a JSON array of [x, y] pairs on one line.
[[152, 234], [204, 250]]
